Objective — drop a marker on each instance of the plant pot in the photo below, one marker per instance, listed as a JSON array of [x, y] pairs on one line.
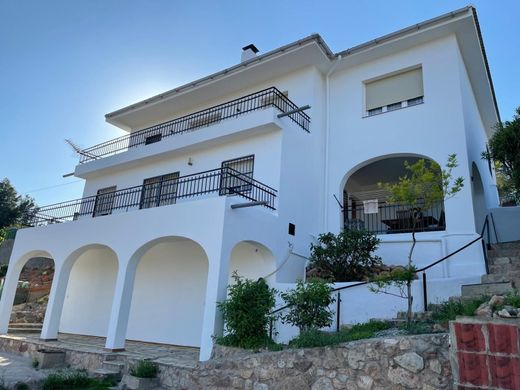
[[135, 383], [48, 358]]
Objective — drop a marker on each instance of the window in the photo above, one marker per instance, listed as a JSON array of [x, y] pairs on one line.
[[104, 201], [235, 179], [153, 139], [393, 92], [159, 190]]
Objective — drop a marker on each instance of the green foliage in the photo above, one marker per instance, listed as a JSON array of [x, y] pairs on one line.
[[347, 256], [22, 386], [144, 369], [417, 328], [449, 310], [425, 184], [3, 270], [512, 299], [504, 149], [316, 338], [309, 305], [398, 277], [14, 208], [73, 379], [246, 313]]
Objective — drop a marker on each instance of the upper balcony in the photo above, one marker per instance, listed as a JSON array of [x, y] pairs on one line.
[[267, 98], [216, 182]]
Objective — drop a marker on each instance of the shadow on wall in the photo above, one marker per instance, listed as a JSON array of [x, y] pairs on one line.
[[507, 224]]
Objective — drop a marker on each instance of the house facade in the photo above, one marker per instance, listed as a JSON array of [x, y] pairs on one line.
[[241, 170]]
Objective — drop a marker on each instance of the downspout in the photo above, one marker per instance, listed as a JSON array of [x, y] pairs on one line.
[[327, 132]]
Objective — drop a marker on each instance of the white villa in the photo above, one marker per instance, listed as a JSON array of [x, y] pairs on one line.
[[243, 169]]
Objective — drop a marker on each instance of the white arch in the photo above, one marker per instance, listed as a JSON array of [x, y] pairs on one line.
[[252, 260], [169, 285]]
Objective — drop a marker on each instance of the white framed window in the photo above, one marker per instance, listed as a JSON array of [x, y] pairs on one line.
[[393, 92]]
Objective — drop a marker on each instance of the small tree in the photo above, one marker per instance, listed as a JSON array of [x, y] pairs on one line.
[[504, 149], [347, 256], [309, 305], [14, 208], [424, 186], [246, 312]]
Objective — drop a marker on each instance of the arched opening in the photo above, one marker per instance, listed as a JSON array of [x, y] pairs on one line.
[[169, 292], [90, 289], [366, 202], [479, 199], [32, 292], [252, 260]]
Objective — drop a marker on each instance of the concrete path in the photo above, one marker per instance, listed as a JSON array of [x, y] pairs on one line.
[[18, 369]]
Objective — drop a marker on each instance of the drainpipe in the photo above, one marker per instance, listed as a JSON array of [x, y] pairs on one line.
[[327, 131]]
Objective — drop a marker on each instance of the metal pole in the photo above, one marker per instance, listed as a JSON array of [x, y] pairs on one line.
[[338, 313], [425, 292], [303, 108]]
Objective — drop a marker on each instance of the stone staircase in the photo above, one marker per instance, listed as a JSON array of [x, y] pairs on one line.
[[504, 272], [24, 327], [112, 368]]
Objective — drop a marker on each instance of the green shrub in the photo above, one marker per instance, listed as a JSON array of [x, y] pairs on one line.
[[449, 310], [68, 379], [513, 299], [316, 338], [246, 313], [309, 305], [3, 270], [347, 256], [144, 369]]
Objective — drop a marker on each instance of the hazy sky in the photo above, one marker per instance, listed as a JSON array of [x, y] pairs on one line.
[[64, 64]]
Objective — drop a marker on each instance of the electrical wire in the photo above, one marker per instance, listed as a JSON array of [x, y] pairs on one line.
[[50, 187]]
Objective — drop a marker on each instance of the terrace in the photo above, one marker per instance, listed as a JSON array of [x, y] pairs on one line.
[[270, 97]]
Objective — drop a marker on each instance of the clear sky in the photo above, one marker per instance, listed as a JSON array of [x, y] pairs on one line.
[[64, 64]]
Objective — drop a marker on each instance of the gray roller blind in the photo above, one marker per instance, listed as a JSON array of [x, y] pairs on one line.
[[393, 89]]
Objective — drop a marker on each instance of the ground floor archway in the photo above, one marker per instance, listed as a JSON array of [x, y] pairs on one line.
[[169, 293], [90, 289], [252, 260]]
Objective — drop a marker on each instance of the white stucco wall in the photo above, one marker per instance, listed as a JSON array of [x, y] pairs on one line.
[[88, 301], [252, 261], [169, 293]]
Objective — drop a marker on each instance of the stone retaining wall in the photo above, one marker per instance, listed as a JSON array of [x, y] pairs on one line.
[[89, 361], [410, 362]]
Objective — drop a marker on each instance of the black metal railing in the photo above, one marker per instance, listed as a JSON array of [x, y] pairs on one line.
[[394, 218], [270, 97], [222, 181]]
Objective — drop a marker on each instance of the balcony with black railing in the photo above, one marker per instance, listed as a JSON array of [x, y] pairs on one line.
[[217, 182], [270, 97], [386, 218]]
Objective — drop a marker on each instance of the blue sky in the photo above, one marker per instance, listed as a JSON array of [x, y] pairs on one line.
[[64, 64]]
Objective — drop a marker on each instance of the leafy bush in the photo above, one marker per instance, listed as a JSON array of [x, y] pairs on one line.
[[449, 310], [73, 379], [3, 270], [246, 313], [347, 256], [309, 305], [144, 369], [316, 338]]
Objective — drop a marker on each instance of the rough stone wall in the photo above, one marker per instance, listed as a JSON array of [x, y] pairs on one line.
[[413, 362], [485, 353], [89, 361]]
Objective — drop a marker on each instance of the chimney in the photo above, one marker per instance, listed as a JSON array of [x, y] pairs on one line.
[[249, 52]]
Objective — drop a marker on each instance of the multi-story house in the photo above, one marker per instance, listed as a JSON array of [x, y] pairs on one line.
[[241, 170]]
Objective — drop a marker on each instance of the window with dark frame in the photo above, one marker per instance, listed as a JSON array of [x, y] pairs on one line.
[[104, 201], [159, 190], [235, 179]]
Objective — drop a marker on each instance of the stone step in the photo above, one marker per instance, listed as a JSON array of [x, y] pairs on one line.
[[103, 373], [504, 268], [25, 325], [113, 365], [507, 245], [486, 289], [503, 252], [504, 260]]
